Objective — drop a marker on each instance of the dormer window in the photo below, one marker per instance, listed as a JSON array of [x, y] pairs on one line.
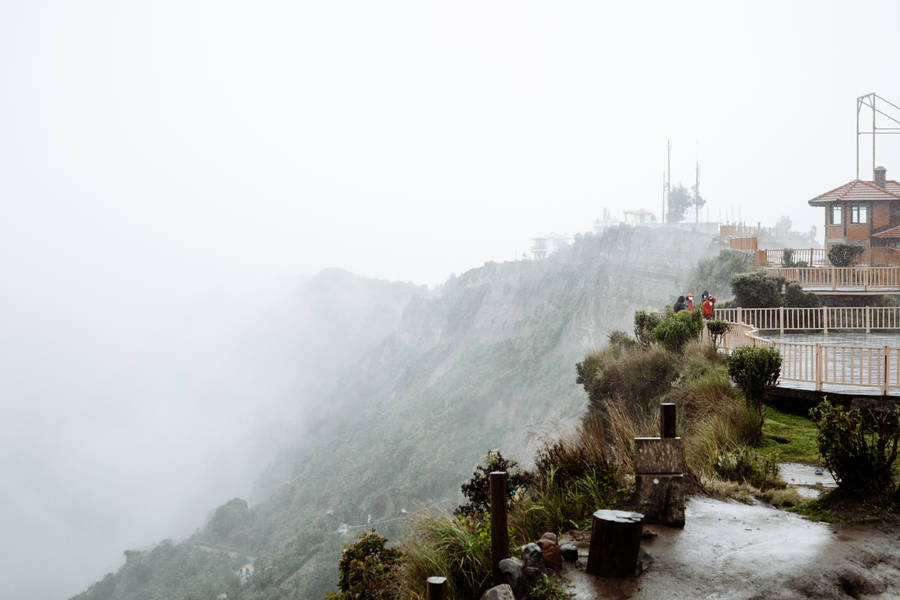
[[858, 213], [836, 210]]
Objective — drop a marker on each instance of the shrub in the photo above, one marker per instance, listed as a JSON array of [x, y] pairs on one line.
[[843, 255], [621, 340], [755, 371], [677, 329], [787, 257], [637, 377], [795, 297], [858, 447], [368, 570], [717, 330], [644, 324], [744, 465], [756, 290], [478, 489]]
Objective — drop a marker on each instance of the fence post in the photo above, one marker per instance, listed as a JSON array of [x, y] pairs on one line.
[[781, 320], [667, 419], [811, 262], [436, 588], [866, 278], [833, 271], [885, 370], [499, 534], [819, 367], [825, 318], [867, 319], [740, 315]]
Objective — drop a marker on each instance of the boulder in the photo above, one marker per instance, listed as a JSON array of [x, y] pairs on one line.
[[514, 575], [569, 552], [533, 557], [551, 553], [499, 592]]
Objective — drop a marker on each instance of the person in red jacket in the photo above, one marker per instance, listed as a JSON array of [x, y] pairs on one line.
[[707, 308], [690, 301]]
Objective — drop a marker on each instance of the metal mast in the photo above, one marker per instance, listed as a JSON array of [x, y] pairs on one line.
[[697, 195], [891, 112]]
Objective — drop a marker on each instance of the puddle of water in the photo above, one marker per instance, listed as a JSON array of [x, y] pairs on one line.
[[795, 474]]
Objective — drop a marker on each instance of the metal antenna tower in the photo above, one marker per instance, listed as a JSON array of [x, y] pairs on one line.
[[892, 115]]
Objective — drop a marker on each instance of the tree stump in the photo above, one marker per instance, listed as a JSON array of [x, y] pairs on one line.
[[615, 544]]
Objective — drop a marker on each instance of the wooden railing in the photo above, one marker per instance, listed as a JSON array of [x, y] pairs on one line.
[[774, 257], [834, 278], [818, 257], [821, 363]]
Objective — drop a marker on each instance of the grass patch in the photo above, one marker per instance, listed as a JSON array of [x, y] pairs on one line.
[[789, 438], [838, 507]]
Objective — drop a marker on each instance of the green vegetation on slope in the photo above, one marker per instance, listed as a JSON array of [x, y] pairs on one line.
[[484, 362], [789, 438]]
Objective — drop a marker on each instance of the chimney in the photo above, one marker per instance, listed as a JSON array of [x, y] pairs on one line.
[[880, 173]]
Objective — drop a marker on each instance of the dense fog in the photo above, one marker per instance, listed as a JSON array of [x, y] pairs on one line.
[[172, 173]]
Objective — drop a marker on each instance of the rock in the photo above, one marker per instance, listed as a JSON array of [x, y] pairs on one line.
[[514, 575], [550, 536], [533, 557], [569, 552], [550, 552], [499, 592]]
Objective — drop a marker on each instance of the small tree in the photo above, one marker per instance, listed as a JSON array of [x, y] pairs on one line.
[[679, 200], [755, 371], [858, 447], [717, 331], [843, 255], [368, 570], [478, 489], [758, 290]]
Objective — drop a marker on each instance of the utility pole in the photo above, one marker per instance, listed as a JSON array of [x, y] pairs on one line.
[[668, 184], [697, 195]]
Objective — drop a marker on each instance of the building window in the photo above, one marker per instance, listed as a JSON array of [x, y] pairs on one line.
[[836, 210], [858, 213]]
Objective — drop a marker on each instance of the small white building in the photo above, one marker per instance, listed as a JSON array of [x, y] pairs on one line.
[[542, 247], [639, 216]]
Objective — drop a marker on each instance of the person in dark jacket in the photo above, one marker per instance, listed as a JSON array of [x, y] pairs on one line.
[[680, 304]]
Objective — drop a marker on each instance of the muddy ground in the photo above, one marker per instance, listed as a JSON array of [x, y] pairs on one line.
[[729, 550]]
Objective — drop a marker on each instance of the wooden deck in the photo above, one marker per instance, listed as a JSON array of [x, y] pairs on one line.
[[819, 360]]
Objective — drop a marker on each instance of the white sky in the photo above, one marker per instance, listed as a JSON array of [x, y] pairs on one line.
[[157, 157], [410, 140]]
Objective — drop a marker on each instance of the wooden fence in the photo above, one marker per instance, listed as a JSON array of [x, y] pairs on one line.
[[743, 243], [821, 363], [845, 278]]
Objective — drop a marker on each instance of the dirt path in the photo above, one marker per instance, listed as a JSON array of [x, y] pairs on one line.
[[730, 551]]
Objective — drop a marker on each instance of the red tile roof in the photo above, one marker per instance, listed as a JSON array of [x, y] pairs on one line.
[[859, 191], [892, 233]]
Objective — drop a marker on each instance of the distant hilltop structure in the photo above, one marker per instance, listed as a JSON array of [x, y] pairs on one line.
[[542, 247], [639, 216]]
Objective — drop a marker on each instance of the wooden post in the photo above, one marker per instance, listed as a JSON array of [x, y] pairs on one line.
[[833, 272], [811, 262], [867, 319], [885, 371], [819, 367], [781, 320], [499, 533], [615, 544], [667, 420], [825, 318], [436, 588]]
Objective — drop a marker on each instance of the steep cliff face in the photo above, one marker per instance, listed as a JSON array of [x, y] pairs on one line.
[[487, 361]]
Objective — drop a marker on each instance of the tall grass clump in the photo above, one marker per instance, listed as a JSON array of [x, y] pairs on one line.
[[443, 545]]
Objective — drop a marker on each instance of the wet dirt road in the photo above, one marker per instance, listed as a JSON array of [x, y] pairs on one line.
[[730, 551]]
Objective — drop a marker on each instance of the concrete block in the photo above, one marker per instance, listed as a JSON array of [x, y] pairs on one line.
[[658, 455], [661, 498]]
